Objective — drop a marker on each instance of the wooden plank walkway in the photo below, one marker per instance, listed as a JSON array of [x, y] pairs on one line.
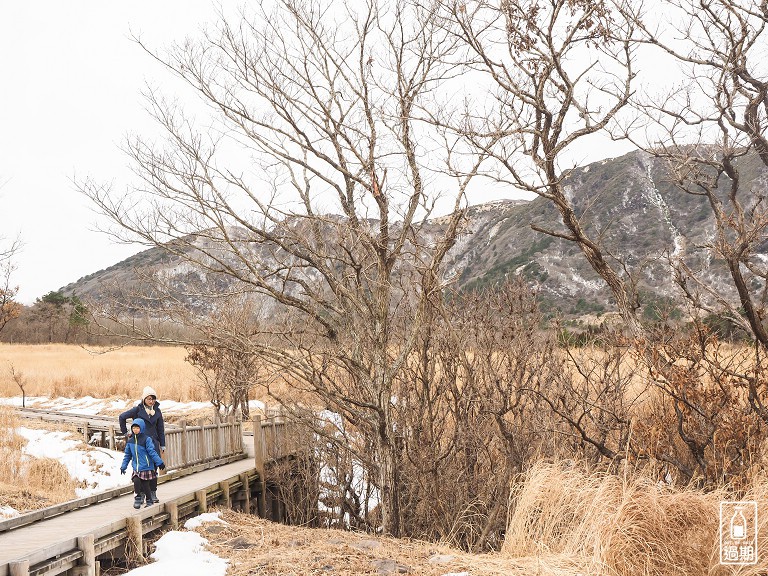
[[46, 539]]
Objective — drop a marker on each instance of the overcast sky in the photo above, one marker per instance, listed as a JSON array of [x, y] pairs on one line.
[[70, 82]]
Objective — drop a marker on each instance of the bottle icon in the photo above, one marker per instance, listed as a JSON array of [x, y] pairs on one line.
[[738, 525]]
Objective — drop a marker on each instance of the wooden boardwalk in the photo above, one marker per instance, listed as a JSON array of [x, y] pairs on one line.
[[69, 538], [47, 539]]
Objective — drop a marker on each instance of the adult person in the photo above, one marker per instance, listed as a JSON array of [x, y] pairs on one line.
[[148, 409]]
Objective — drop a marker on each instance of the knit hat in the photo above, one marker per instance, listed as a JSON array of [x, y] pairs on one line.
[[148, 391]]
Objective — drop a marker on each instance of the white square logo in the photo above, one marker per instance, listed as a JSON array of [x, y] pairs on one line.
[[738, 532]]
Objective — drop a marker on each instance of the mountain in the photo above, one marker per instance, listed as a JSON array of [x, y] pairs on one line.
[[628, 202]]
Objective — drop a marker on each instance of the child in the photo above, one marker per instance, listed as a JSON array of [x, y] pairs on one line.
[[140, 450]]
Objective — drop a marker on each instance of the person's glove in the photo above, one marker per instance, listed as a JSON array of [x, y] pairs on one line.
[[162, 466], [122, 470]]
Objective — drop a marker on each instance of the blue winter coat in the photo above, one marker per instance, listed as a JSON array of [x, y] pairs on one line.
[[140, 451], [155, 428]]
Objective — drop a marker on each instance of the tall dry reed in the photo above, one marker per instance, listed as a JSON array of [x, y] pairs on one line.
[[45, 477], [623, 526]]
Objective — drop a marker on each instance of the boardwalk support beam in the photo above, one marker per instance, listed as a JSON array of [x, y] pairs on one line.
[[135, 545], [172, 508], [20, 568], [87, 564], [202, 501], [246, 492], [225, 494], [258, 449]]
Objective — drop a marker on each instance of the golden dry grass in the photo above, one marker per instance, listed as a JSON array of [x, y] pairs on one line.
[[623, 526], [29, 483], [72, 371]]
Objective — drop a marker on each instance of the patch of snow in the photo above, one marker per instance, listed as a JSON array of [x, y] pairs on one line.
[[593, 285], [17, 400], [493, 232], [85, 405], [197, 521], [655, 198], [170, 406], [8, 512], [182, 553], [441, 559]]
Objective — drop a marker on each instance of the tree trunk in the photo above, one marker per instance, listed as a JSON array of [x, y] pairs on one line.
[[389, 492]]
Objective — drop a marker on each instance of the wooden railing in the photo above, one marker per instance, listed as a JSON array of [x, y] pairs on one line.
[[190, 445]]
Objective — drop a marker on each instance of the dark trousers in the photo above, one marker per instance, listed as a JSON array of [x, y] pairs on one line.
[[143, 487]]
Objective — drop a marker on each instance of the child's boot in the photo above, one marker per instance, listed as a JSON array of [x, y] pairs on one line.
[[138, 500], [155, 499]]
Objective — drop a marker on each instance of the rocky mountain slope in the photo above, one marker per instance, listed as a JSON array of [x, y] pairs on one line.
[[628, 203]]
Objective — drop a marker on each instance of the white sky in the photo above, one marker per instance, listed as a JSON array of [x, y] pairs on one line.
[[70, 78], [70, 82]]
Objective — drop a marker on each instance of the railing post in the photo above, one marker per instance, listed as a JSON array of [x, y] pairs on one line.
[[202, 450], [184, 444], [88, 561]]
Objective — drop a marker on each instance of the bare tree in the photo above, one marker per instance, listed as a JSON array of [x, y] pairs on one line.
[[224, 358], [711, 132], [9, 308], [558, 73], [314, 112]]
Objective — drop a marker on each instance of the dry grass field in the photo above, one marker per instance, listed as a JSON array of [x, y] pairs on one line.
[[29, 484], [74, 372]]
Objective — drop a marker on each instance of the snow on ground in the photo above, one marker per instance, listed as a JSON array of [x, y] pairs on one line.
[[176, 552], [184, 553], [92, 406], [197, 521], [98, 468], [7, 512]]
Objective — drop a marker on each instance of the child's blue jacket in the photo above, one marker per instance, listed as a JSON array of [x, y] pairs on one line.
[[140, 451]]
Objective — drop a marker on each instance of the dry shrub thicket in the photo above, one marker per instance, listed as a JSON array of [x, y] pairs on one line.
[[655, 432], [29, 482]]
